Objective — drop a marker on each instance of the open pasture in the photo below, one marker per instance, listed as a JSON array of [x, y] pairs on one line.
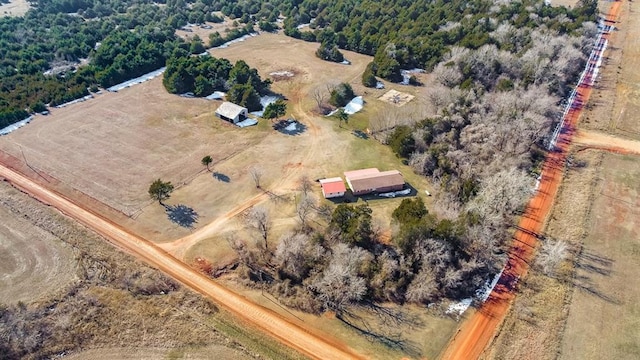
[[112, 147], [604, 315]]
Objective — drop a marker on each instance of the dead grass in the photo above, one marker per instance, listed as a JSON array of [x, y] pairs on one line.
[[116, 302], [421, 334], [206, 352], [617, 99], [15, 8], [33, 262], [113, 146], [604, 315], [535, 324], [203, 33]]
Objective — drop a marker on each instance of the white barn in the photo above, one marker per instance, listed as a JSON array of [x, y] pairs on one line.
[[232, 112]]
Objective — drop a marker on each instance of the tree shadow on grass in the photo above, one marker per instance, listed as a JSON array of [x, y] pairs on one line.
[[360, 134], [290, 127], [182, 215], [590, 269], [221, 177], [386, 329]]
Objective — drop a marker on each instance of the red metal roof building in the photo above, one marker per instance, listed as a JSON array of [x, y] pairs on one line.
[[366, 181], [333, 187]]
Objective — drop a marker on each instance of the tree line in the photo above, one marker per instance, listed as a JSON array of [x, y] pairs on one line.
[[400, 34], [41, 52], [410, 34]]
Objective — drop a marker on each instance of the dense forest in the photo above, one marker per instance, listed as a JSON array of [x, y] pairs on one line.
[[42, 53], [62, 49]]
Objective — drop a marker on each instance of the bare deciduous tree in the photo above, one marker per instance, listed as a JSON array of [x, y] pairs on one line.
[[551, 254], [296, 254], [501, 195], [341, 285], [256, 173], [258, 219], [240, 247], [304, 208], [447, 75], [424, 287], [305, 185], [383, 120], [320, 96]]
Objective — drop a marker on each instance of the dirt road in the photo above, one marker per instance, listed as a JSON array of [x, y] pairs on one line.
[[597, 140], [178, 248], [314, 146], [287, 332], [476, 333]]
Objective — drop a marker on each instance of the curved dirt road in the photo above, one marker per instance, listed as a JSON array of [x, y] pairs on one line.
[[289, 333], [315, 145], [476, 333]]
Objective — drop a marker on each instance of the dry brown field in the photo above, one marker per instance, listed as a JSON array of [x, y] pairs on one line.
[[533, 329], [115, 305], [114, 145], [617, 100], [33, 262], [187, 353], [604, 315], [15, 8], [589, 310]]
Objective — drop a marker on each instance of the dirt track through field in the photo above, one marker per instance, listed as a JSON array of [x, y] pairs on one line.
[[289, 333], [477, 332], [597, 140], [179, 247]]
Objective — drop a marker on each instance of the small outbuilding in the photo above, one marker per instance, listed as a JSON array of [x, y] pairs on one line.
[[231, 112], [371, 180], [333, 187]]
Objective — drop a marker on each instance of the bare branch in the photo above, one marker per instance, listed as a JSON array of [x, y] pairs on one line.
[[258, 219], [256, 173]]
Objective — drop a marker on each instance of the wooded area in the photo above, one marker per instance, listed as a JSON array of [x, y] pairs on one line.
[[124, 38]]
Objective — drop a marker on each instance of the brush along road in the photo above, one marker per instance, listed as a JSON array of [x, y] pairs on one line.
[[293, 335]]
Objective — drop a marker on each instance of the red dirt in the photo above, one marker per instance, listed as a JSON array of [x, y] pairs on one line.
[[292, 334], [600, 141], [477, 332]]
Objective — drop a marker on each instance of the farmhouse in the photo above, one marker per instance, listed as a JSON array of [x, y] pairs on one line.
[[333, 187], [231, 112], [366, 181]]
